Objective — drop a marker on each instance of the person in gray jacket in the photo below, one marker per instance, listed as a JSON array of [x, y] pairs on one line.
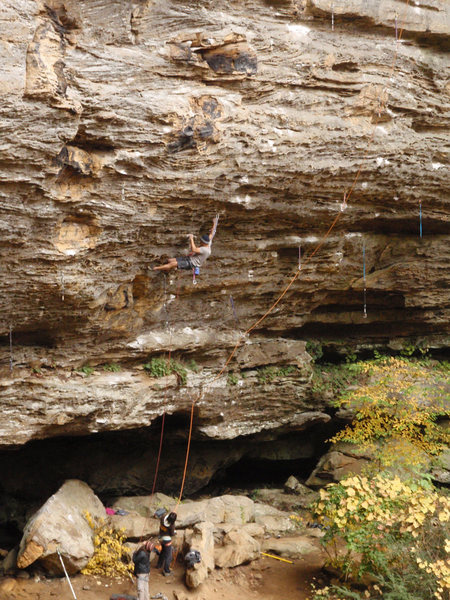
[[141, 559]]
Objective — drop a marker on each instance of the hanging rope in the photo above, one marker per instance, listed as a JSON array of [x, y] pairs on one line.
[[332, 17], [364, 280], [309, 257], [396, 28], [10, 349], [163, 420], [66, 574]]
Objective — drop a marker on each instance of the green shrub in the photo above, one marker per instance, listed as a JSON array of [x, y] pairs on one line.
[[193, 366], [269, 374], [112, 368], [161, 367], [86, 369], [335, 379], [233, 379], [314, 349]]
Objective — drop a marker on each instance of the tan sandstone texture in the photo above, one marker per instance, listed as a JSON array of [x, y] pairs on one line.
[[127, 125]]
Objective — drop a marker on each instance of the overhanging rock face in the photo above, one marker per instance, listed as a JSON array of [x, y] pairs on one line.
[[128, 125]]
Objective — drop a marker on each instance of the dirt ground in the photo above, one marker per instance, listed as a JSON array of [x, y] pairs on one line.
[[264, 579]]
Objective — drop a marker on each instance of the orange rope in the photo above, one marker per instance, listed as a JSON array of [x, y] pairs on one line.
[[297, 274]]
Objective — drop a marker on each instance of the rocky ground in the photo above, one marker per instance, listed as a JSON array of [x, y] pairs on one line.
[[264, 579]]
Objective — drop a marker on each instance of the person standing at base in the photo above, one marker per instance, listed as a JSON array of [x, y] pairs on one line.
[[167, 524], [141, 559], [166, 532], [166, 554]]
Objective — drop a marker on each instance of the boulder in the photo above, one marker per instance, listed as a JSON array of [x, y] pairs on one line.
[[253, 529], [60, 524], [238, 547], [289, 547], [293, 485], [144, 505], [287, 501], [135, 526], [223, 509], [200, 538], [334, 466], [9, 564], [6, 588], [440, 472], [274, 521]]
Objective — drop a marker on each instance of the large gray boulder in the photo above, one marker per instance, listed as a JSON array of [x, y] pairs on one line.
[[274, 521], [60, 524], [144, 505], [135, 526], [223, 509], [238, 548], [200, 538], [289, 547], [335, 465]]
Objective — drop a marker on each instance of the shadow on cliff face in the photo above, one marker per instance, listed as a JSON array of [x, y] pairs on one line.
[[123, 463]]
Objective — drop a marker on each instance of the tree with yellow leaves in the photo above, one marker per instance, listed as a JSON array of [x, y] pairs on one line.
[[396, 410]]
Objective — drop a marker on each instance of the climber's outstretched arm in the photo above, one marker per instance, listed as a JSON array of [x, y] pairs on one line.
[[195, 249]]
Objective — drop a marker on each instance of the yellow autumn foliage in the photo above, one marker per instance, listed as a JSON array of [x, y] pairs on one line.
[[111, 557], [399, 403], [375, 518]]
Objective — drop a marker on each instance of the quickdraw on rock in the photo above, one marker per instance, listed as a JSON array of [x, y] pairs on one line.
[[299, 258]]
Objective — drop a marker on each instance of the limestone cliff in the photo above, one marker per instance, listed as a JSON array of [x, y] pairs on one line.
[[127, 124]]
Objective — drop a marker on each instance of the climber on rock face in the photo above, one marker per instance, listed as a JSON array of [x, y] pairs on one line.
[[196, 258]]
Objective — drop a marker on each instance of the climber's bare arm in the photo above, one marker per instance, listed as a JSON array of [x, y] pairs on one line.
[[195, 249]]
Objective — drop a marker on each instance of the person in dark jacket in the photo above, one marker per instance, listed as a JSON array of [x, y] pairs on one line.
[[141, 559], [165, 556]]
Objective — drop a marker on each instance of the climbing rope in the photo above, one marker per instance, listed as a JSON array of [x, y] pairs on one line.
[[299, 258], [332, 17], [62, 287], [163, 419]]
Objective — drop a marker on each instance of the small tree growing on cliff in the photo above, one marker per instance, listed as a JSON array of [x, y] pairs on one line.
[[397, 409]]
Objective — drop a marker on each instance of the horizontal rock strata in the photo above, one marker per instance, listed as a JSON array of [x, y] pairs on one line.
[[128, 125]]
